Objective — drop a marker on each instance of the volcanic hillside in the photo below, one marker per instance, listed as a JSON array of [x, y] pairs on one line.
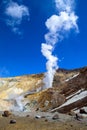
[[26, 93]]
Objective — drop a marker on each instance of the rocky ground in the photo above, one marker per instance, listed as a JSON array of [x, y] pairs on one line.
[[42, 121]]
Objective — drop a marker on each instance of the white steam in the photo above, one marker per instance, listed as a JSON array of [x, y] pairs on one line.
[[57, 25], [19, 103], [15, 95]]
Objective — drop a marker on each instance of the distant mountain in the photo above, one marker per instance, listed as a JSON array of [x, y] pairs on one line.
[[24, 93]]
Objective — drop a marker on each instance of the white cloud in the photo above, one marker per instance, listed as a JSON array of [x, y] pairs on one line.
[[15, 14], [17, 11]]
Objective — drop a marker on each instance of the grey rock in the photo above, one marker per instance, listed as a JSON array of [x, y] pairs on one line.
[[12, 121], [55, 117]]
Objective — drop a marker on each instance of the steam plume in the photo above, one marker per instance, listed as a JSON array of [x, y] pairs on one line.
[[57, 25]]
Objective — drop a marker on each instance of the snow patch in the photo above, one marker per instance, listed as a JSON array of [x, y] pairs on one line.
[[77, 111], [75, 98], [75, 94], [85, 108], [71, 77]]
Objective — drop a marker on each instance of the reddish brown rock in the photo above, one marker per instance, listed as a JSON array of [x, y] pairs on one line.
[[6, 114]]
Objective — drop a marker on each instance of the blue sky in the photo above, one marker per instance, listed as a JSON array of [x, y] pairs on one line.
[[21, 35]]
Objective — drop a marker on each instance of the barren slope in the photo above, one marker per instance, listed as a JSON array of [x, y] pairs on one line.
[[69, 92]]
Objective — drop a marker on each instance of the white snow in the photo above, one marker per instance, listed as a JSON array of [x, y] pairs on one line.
[[77, 111], [75, 93], [72, 77], [75, 98], [85, 108]]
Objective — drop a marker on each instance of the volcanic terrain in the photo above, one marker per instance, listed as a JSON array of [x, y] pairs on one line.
[[66, 101]]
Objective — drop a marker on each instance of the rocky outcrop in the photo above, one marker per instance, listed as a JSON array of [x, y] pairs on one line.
[[75, 91]]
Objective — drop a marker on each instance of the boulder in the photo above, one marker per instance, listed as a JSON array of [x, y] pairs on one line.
[[82, 111], [6, 114], [12, 121], [37, 117], [27, 115], [55, 117]]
